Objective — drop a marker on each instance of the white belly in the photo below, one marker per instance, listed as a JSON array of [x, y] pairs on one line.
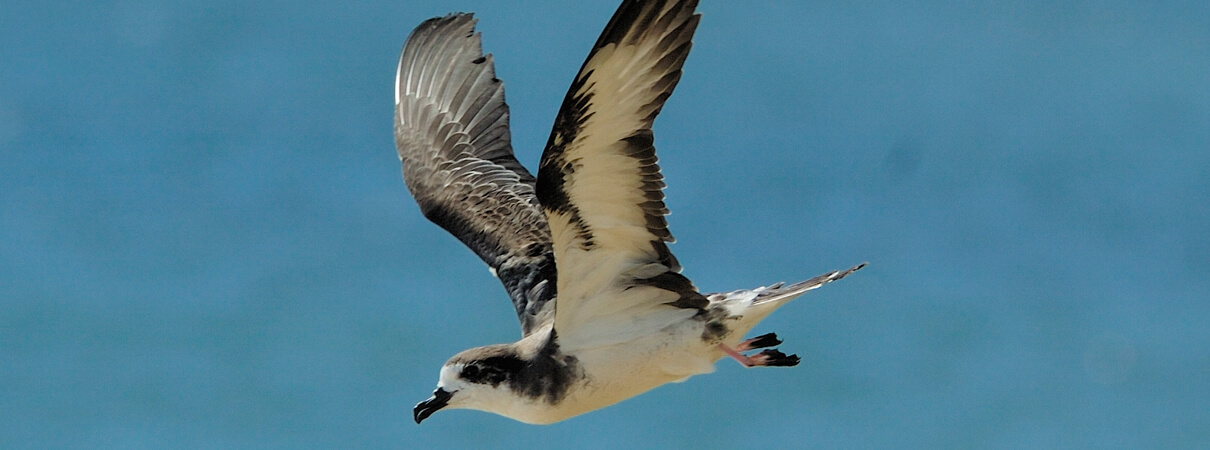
[[619, 371]]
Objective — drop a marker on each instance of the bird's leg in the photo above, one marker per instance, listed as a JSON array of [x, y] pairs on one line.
[[767, 358], [744, 360]]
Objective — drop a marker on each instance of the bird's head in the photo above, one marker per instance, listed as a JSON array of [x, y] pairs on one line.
[[483, 378]]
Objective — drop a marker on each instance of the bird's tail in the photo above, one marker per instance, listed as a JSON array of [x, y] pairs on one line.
[[752, 305], [779, 292]]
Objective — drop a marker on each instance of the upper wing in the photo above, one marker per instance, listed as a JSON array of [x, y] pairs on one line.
[[598, 181], [451, 129]]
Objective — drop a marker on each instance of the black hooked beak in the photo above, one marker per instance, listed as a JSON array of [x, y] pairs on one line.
[[426, 408]]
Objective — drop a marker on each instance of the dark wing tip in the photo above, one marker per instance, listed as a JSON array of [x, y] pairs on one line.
[[448, 18], [643, 13], [436, 25]]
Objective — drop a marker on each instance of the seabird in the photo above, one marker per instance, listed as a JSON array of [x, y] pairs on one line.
[[581, 249]]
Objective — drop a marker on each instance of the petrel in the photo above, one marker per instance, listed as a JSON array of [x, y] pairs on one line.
[[582, 249]]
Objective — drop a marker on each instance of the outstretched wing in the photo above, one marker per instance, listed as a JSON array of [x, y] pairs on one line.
[[598, 181], [451, 129]]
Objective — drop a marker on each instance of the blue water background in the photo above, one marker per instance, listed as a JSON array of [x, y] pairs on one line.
[[205, 241]]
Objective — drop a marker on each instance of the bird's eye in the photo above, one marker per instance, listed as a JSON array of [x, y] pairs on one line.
[[470, 372], [483, 374]]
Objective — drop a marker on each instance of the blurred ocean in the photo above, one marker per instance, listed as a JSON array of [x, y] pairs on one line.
[[205, 241]]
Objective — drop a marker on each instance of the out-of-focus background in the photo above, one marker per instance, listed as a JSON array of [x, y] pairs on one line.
[[205, 241]]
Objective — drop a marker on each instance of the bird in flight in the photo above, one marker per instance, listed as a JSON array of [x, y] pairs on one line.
[[583, 248]]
